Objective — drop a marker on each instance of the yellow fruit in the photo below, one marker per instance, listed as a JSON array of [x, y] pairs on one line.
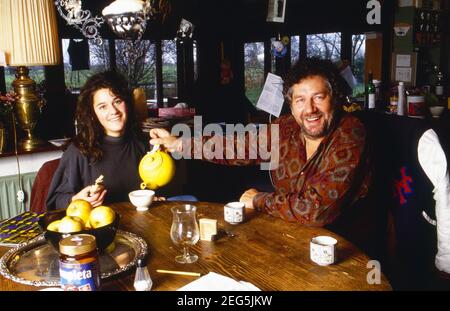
[[54, 226], [156, 169], [87, 225], [79, 208], [70, 224], [101, 216]]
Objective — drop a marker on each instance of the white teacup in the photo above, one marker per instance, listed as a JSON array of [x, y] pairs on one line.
[[234, 212], [323, 250], [141, 199]]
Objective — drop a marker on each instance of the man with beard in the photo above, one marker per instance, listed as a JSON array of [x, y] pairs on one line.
[[323, 168]]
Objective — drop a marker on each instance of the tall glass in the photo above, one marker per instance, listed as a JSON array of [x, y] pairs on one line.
[[184, 231]]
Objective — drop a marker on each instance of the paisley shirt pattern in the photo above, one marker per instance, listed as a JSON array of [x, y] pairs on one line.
[[311, 192]]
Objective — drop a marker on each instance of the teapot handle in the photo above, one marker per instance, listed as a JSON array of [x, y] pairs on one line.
[[143, 186]]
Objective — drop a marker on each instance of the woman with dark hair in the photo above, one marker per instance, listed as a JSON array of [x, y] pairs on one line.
[[109, 143]]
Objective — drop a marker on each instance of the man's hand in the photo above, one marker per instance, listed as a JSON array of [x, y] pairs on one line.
[[162, 137], [247, 197], [96, 199]]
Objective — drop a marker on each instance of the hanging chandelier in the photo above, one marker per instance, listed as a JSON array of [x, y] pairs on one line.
[[127, 18]]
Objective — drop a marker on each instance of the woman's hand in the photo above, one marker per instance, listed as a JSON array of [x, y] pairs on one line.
[[247, 197], [162, 137], [96, 199]]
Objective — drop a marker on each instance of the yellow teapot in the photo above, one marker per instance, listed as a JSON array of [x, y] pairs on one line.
[[156, 169]]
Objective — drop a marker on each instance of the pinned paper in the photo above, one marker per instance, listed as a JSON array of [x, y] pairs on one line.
[[276, 11], [271, 99]]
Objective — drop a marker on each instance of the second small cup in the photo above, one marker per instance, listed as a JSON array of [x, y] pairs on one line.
[[323, 250], [234, 212]]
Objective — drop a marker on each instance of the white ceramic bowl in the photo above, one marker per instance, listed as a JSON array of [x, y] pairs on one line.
[[436, 111], [141, 199]]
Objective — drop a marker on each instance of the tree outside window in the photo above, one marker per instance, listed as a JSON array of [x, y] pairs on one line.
[[325, 46], [99, 61], [295, 49], [169, 61], [357, 63], [254, 70], [136, 61]]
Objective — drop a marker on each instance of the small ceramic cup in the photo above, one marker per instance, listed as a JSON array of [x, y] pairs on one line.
[[141, 199], [234, 212], [323, 250]]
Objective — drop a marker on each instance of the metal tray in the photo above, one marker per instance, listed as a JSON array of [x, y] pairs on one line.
[[36, 262]]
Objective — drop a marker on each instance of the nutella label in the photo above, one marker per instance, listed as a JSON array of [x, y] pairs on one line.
[[79, 277]]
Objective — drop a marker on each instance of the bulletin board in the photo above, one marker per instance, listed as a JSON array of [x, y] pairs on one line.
[[404, 66]]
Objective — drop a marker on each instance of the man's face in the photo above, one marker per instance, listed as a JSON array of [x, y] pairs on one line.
[[312, 106]]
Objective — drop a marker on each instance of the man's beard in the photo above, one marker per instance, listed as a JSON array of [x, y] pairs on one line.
[[322, 132]]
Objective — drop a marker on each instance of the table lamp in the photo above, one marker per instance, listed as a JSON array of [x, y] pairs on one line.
[[28, 37]]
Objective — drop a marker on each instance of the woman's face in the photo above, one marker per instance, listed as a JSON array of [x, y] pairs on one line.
[[111, 112]]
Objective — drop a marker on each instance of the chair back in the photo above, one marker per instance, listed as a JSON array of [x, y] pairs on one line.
[[41, 185], [403, 192]]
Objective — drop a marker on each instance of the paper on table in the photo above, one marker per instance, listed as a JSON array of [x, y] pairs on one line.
[[217, 282]]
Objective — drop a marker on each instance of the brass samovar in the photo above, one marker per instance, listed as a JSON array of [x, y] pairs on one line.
[[27, 107]]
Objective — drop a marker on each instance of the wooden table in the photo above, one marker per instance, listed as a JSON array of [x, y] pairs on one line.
[[265, 251]]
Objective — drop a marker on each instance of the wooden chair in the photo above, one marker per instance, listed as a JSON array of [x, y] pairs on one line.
[[41, 185]]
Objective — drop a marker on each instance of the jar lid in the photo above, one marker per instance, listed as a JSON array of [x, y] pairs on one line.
[[77, 244]]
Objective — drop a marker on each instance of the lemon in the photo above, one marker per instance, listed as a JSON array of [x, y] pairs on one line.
[[54, 226], [101, 216], [79, 208]]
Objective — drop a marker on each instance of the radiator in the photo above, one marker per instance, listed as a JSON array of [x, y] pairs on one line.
[[9, 185]]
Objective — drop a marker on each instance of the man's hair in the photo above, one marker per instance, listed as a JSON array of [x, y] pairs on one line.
[[90, 131], [316, 67]]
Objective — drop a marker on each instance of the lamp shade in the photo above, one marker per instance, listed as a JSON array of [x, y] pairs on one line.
[[29, 33]]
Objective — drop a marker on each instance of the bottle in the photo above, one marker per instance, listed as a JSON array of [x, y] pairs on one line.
[[378, 97], [142, 279], [401, 99], [439, 89], [393, 100], [370, 93], [78, 263]]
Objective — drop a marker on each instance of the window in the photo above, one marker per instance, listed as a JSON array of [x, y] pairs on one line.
[[325, 45], [357, 63], [254, 70], [98, 61], [169, 69], [36, 73], [295, 49], [136, 61], [273, 67]]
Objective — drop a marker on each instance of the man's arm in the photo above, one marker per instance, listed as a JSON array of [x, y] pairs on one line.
[[323, 192], [239, 146]]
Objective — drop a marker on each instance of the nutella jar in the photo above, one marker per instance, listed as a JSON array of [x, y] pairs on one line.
[[78, 263]]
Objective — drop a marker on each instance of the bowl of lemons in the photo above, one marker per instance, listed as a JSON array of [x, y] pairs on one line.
[[81, 218]]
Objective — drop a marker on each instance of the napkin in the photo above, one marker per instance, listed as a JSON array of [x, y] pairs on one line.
[[217, 282]]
